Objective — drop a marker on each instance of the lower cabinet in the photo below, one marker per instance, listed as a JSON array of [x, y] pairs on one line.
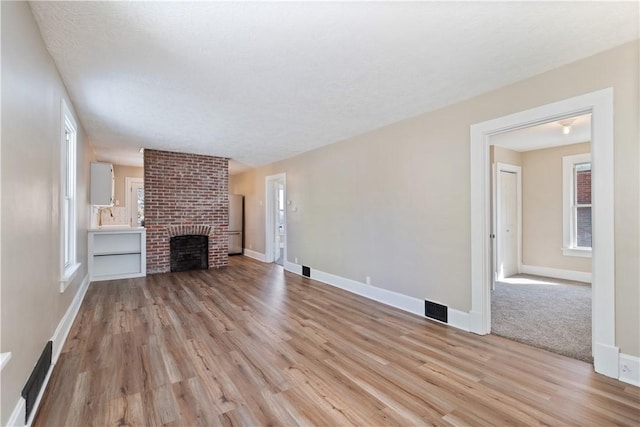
[[117, 254]]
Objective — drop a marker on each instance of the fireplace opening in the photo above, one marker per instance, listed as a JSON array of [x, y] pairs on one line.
[[189, 252]]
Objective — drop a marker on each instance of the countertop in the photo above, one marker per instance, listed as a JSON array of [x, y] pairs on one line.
[[116, 228]]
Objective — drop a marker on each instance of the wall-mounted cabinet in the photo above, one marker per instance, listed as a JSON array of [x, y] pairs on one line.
[[117, 254], [102, 184]]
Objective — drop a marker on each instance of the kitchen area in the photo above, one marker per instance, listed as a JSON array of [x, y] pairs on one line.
[[117, 237]]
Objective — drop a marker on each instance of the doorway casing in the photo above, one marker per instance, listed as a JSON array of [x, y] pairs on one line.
[[600, 105]]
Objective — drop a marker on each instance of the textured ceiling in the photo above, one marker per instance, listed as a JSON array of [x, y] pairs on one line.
[[259, 82]]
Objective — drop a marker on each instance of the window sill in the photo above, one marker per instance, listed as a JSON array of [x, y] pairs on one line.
[[68, 275], [577, 252]]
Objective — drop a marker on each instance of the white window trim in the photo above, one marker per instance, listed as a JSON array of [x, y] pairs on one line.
[[568, 191], [68, 271]]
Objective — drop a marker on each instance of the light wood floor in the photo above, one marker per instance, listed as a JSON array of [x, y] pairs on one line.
[[253, 345]]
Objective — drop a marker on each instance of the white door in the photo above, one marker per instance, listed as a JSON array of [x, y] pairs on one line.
[[507, 224]]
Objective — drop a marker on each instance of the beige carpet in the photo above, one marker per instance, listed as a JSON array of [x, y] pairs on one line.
[[546, 313]]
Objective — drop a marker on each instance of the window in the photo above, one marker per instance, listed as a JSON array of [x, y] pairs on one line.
[[69, 266], [577, 205]]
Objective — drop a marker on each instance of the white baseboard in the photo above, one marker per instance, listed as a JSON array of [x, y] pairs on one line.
[[59, 336], [476, 324], [19, 413], [457, 319], [403, 302], [606, 359], [255, 255], [292, 267], [556, 273], [630, 369], [62, 331]]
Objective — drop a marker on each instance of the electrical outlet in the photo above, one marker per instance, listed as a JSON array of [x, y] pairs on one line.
[[295, 260], [368, 280], [250, 246]]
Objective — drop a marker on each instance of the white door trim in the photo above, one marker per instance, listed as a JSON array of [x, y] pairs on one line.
[[505, 167], [269, 215], [600, 105], [128, 184]]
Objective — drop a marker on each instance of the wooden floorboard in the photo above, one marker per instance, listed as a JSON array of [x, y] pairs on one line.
[[253, 345]]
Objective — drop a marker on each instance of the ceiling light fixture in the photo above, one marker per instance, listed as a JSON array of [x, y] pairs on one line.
[[566, 125]]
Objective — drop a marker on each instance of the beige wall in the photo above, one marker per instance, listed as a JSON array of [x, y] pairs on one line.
[[542, 208], [31, 302], [394, 203], [504, 155], [121, 172]]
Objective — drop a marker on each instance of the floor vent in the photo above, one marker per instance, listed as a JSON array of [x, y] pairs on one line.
[[306, 271], [435, 311], [34, 384]]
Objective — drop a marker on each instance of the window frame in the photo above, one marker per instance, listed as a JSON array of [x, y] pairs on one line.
[[570, 205], [69, 265]]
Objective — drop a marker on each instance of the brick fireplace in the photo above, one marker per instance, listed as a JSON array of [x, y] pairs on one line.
[[185, 194]]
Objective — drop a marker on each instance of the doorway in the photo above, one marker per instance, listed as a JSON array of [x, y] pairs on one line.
[[600, 105], [541, 295], [275, 217], [135, 201]]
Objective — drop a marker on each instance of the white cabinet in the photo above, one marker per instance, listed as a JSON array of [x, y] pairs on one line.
[[117, 254], [102, 184]]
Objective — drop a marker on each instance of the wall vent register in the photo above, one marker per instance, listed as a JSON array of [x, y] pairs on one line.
[[436, 311], [306, 271], [32, 388]]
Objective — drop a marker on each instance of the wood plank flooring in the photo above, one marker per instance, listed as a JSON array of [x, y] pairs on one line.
[[255, 346]]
